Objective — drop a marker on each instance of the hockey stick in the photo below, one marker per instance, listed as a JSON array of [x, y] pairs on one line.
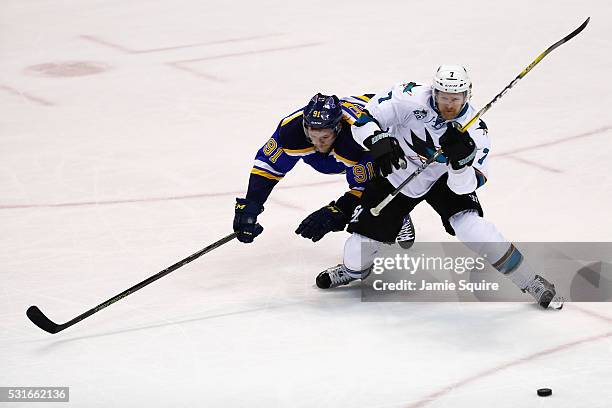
[[376, 210], [39, 319]]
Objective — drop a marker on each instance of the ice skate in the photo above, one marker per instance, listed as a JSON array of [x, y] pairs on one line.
[[333, 277], [405, 238], [544, 293]]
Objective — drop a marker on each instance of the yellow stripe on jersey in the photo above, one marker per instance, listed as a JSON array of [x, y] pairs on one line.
[[299, 152], [351, 113], [348, 120], [265, 174], [343, 159], [290, 118], [356, 193], [362, 97]]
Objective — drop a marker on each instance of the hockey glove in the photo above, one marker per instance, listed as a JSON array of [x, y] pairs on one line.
[[327, 219], [459, 148], [386, 152], [245, 219]]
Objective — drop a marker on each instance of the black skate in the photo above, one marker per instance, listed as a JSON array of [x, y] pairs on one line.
[[405, 238], [333, 277], [544, 293]]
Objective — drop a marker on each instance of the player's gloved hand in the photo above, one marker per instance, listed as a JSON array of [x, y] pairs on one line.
[[245, 219], [459, 148], [386, 152], [327, 219]]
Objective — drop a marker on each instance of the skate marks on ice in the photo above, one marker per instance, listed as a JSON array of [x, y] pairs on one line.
[[126, 50], [186, 65], [26, 96]]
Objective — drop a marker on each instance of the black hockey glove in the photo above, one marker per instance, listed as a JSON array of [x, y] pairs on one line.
[[245, 219], [327, 219], [459, 148], [386, 152]]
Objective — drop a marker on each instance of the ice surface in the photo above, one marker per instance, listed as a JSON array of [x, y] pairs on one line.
[[108, 177]]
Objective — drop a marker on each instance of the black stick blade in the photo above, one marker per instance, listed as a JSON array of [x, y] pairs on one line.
[[38, 318], [579, 29], [572, 34]]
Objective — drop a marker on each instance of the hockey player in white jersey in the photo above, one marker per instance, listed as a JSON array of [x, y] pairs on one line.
[[410, 122]]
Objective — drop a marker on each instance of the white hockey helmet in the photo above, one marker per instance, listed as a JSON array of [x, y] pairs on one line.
[[452, 79]]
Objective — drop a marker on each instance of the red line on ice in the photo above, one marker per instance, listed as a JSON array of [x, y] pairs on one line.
[[526, 359], [555, 142], [286, 204], [512, 153], [152, 199], [593, 314], [204, 195], [532, 163]]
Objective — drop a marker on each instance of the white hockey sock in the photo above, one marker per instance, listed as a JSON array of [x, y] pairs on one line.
[[482, 237], [359, 253]]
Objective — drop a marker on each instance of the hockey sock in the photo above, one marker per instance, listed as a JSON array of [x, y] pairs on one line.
[[482, 237]]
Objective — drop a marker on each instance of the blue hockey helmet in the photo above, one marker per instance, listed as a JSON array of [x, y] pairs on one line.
[[323, 112]]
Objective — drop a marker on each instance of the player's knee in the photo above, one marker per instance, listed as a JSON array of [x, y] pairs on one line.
[[479, 234], [465, 224], [359, 252], [471, 227]]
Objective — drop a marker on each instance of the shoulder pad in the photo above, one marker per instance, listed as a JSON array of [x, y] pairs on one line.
[[346, 149], [291, 132], [351, 112]]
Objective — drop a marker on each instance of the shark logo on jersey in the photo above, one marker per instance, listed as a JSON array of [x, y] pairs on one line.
[[424, 148], [409, 86], [483, 126], [420, 114]]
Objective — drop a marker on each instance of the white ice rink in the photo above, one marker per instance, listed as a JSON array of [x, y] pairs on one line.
[[127, 129]]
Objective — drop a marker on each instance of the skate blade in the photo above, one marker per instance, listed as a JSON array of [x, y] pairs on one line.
[[557, 303]]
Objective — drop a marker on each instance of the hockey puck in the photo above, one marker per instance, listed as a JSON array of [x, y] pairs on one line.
[[544, 392]]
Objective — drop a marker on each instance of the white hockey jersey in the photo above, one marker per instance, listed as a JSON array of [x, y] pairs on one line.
[[407, 113]]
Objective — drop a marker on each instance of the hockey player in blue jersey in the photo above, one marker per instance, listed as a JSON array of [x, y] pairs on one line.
[[320, 135]]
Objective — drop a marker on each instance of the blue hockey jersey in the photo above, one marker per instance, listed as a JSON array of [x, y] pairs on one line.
[[288, 145]]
